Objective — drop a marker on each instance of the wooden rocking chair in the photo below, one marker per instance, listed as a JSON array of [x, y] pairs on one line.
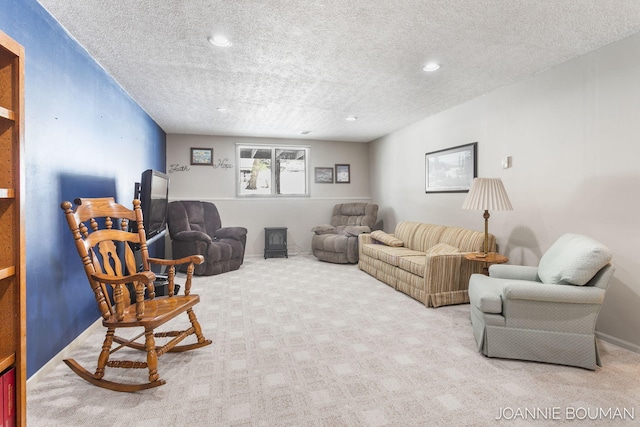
[[110, 265]]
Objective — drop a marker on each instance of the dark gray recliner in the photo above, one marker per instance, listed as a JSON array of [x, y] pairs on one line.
[[195, 228], [338, 242]]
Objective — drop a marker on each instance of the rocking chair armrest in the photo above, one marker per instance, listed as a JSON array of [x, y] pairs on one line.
[[196, 259], [193, 259], [145, 277], [141, 280]]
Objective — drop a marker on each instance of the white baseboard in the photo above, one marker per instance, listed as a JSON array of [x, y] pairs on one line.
[[63, 354], [291, 254], [619, 342], [204, 198]]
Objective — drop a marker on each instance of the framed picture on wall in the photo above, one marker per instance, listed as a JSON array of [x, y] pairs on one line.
[[343, 174], [451, 170], [324, 175], [202, 156]]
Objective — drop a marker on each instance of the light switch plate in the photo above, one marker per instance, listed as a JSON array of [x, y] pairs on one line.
[[506, 162]]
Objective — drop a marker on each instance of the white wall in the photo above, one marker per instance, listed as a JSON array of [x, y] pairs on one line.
[[573, 132], [217, 184]]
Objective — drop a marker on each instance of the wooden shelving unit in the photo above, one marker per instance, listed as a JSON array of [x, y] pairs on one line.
[[12, 236]]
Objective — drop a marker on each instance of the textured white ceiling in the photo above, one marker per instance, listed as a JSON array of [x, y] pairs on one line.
[[306, 65]]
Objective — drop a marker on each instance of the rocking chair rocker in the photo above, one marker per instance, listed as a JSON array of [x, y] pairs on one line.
[[110, 264]]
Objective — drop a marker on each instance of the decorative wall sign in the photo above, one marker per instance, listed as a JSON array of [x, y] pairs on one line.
[[451, 170], [223, 164], [202, 156], [176, 167]]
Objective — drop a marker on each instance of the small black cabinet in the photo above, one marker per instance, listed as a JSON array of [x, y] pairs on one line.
[[275, 242]]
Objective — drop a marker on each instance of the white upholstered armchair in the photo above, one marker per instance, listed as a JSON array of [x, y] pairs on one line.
[[546, 313]]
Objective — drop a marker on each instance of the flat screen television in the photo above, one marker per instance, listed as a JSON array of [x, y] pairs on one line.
[[153, 192]]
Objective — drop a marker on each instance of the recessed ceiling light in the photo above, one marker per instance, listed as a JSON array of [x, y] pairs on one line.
[[222, 109], [431, 66], [305, 132], [351, 119], [220, 41]]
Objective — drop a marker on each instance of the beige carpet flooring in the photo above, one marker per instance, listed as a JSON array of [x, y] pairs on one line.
[[299, 342]]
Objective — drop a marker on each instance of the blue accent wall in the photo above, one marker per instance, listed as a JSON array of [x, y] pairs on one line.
[[84, 137]]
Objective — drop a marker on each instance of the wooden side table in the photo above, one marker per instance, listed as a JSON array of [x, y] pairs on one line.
[[491, 258]]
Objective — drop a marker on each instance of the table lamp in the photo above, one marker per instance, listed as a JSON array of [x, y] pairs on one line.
[[487, 194]]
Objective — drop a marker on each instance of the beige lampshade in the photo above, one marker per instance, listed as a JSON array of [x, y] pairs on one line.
[[487, 194]]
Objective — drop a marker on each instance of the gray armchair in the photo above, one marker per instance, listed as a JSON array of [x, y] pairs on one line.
[[337, 242], [195, 228], [546, 313]]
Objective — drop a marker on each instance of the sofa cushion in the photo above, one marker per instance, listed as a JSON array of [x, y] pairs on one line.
[[467, 240], [392, 255], [413, 264], [388, 254], [419, 236], [387, 239], [443, 249], [573, 260], [324, 229]]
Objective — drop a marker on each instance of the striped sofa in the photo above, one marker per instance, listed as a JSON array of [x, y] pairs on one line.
[[425, 261]]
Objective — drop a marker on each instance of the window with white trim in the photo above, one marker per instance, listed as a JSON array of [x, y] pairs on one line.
[[272, 170]]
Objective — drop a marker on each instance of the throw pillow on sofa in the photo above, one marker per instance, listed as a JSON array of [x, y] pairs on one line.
[[387, 239]]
